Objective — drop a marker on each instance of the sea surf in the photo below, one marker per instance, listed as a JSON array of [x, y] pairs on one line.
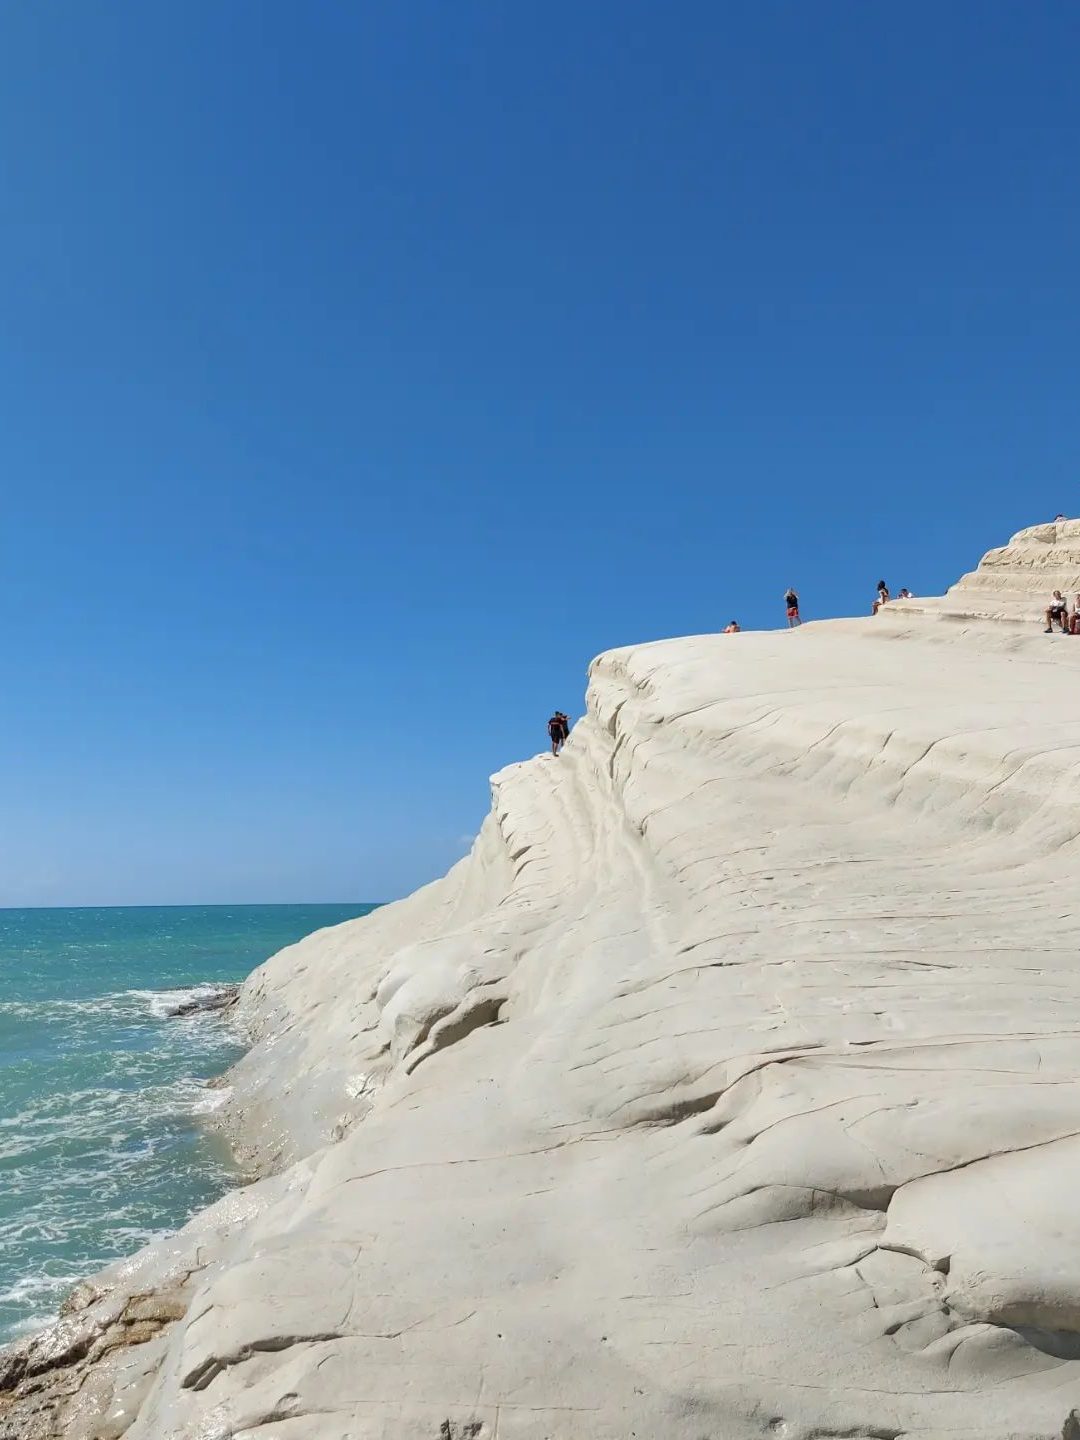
[[103, 1090]]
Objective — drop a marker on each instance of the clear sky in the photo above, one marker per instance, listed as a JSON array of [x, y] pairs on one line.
[[365, 368]]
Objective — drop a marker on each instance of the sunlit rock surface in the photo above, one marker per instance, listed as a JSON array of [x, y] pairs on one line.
[[729, 1088]]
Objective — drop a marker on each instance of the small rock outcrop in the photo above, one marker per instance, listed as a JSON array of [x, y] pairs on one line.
[[223, 997]]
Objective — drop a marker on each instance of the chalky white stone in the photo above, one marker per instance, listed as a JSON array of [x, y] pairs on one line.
[[729, 1088]]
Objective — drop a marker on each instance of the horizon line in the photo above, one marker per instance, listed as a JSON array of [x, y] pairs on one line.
[[192, 905]]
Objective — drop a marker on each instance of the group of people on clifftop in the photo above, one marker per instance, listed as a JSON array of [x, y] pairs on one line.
[[882, 597], [791, 606], [559, 724]]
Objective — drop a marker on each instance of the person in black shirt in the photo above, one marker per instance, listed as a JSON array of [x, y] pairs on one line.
[[791, 600], [559, 730]]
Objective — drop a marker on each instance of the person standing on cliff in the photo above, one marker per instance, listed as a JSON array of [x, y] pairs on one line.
[[559, 730], [791, 600]]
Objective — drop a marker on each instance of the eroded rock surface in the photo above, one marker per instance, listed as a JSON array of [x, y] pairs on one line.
[[1013, 583], [729, 1088]]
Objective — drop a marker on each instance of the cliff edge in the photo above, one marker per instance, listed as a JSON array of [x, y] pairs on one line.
[[728, 1088]]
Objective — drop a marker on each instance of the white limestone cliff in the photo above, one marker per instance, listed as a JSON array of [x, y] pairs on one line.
[[729, 1088], [1014, 582]]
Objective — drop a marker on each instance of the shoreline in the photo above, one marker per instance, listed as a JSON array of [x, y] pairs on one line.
[[84, 1374], [97, 1355], [126, 1304], [109, 1139], [727, 1088]]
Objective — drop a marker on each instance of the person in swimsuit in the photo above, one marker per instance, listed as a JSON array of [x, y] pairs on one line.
[[731, 628], [1058, 610], [881, 598], [791, 600]]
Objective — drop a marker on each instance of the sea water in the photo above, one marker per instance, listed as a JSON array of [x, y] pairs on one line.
[[103, 1097]]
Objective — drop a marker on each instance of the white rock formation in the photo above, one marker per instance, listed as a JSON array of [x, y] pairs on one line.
[[1014, 582], [729, 1088]]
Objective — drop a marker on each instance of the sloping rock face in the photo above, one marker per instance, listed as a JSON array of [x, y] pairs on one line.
[[1012, 583], [1035, 561], [729, 1088]]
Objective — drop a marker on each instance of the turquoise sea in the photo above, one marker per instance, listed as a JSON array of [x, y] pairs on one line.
[[101, 1146]]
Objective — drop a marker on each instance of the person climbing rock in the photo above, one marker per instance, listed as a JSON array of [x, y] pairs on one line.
[[558, 730], [791, 600]]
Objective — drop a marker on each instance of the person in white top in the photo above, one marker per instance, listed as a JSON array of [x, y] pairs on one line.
[[1058, 610]]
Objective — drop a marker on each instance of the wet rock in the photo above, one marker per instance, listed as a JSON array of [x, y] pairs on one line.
[[223, 999]]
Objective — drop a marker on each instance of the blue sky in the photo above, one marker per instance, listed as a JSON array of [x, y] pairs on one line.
[[365, 369]]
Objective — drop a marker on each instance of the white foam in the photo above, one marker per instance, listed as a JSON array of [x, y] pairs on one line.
[[164, 1003], [91, 1168], [210, 1099]]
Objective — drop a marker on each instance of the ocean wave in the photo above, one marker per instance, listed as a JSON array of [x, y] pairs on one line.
[[164, 1003], [119, 1005], [211, 1099], [106, 1113], [38, 1297], [102, 1135], [107, 1137]]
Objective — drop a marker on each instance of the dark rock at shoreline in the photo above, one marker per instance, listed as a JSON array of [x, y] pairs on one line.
[[223, 999]]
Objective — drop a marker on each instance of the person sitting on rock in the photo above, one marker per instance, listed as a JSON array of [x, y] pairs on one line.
[[791, 600], [905, 594], [731, 628], [881, 598], [1058, 610], [1074, 618]]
